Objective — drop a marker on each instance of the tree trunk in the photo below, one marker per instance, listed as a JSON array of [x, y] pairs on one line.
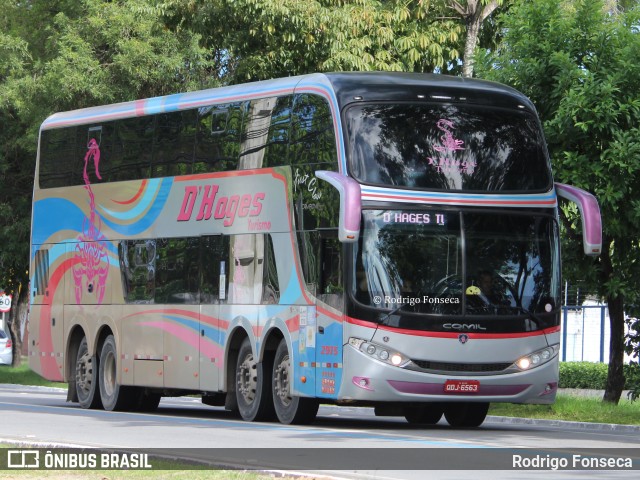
[[615, 302], [474, 13], [18, 319], [615, 374], [473, 29]]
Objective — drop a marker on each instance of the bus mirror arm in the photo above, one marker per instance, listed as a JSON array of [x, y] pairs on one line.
[[590, 213], [350, 204]]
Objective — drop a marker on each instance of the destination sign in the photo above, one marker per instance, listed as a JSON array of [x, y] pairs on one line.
[[419, 218]]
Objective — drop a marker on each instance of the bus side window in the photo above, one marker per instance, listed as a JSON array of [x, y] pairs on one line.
[[255, 132], [138, 269], [270, 282], [331, 287], [61, 161], [246, 269], [277, 146], [177, 275], [218, 137], [132, 149], [312, 148], [214, 267], [308, 248], [174, 144], [102, 136], [265, 137], [313, 139], [41, 275]]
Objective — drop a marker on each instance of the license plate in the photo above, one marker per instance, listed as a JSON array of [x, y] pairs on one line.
[[461, 386]]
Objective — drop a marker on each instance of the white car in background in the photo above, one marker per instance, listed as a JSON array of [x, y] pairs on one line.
[[6, 349]]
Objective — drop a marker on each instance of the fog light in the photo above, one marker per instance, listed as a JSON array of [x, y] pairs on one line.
[[362, 382], [371, 349], [383, 354]]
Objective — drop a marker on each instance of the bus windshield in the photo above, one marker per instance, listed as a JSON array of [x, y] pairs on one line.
[[437, 262], [447, 147]]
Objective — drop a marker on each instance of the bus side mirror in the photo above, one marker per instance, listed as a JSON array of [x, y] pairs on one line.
[[350, 204], [590, 212]]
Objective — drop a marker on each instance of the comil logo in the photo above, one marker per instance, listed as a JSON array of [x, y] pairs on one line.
[[23, 459]]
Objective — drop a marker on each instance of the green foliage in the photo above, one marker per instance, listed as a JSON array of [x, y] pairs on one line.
[[632, 347], [63, 55], [583, 375], [580, 64], [593, 375], [271, 38]]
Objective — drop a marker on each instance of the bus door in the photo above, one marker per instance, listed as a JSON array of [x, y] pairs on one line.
[[330, 315], [214, 290]]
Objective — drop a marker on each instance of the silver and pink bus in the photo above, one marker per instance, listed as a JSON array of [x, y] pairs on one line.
[[378, 239]]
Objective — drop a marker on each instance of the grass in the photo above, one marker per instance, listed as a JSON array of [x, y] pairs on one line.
[[22, 375], [576, 409]]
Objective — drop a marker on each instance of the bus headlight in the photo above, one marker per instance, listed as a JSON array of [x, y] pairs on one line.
[[379, 352], [537, 358]]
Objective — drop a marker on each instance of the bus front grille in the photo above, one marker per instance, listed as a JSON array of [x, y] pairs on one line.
[[446, 367]]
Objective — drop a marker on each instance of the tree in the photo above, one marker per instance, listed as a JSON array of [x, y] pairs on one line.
[[580, 64], [61, 55], [473, 13], [262, 39]]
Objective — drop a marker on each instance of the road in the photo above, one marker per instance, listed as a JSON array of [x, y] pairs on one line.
[[342, 438]]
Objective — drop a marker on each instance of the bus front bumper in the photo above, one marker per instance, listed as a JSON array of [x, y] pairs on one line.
[[369, 380]]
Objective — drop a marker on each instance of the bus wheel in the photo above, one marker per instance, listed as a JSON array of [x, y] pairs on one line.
[[423, 414], [289, 409], [144, 400], [252, 385], [114, 396], [87, 377], [466, 414]]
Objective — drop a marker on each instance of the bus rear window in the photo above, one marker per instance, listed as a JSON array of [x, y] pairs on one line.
[[447, 147]]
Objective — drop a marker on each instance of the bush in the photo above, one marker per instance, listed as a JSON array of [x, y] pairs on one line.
[[583, 375], [593, 375]]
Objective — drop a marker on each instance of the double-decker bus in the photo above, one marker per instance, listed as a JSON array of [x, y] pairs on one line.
[[377, 239]]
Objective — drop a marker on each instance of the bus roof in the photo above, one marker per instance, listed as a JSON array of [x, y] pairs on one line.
[[397, 86], [341, 88]]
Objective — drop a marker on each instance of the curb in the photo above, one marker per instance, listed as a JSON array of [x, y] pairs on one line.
[[602, 427]]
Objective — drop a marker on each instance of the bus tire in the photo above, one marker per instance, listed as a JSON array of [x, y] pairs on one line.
[[86, 375], [252, 385], [466, 415], [289, 409], [424, 413], [113, 395], [146, 401]]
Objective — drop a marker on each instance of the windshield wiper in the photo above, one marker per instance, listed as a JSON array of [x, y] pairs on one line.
[[385, 317], [533, 316]]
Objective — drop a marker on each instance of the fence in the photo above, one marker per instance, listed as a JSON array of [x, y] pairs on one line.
[[585, 333]]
